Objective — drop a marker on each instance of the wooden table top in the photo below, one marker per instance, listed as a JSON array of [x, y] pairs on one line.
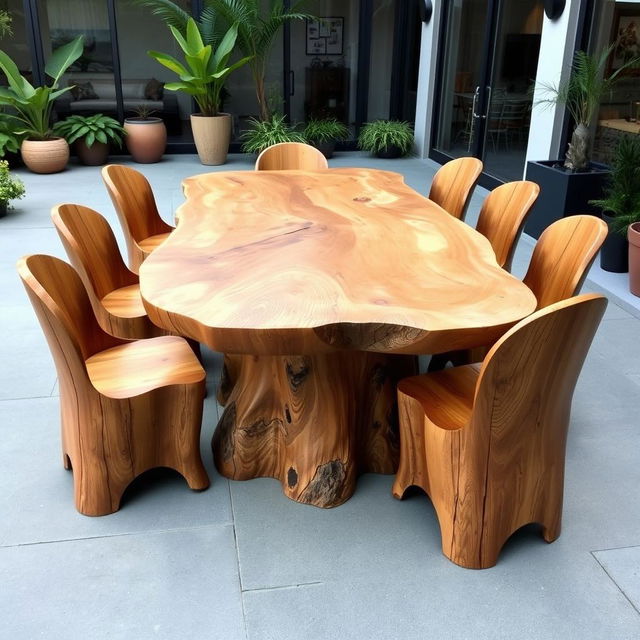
[[286, 262], [621, 124]]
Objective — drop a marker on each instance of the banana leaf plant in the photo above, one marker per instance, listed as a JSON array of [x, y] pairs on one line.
[[206, 70], [33, 105]]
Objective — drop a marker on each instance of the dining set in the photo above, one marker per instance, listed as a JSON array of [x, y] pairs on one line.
[[322, 286]]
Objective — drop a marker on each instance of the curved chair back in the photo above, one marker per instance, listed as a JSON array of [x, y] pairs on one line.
[[135, 205], [64, 311], [92, 249], [291, 155], [503, 215], [562, 257], [453, 183]]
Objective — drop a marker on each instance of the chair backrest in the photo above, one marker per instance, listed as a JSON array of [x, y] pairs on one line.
[[291, 155], [562, 257], [64, 311], [503, 215], [453, 183], [134, 203], [524, 391], [92, 249]]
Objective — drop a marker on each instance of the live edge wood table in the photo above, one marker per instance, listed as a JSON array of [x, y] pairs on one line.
[[321, 284]]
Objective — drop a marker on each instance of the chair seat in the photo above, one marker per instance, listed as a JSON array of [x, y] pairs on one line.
[[135, 368], [153, 242], [446, 396], [125, 302]]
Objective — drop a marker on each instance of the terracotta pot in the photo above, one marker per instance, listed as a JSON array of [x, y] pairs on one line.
[[146, 138], [212, 135], [633, 234], [92, 156], [45, 156]]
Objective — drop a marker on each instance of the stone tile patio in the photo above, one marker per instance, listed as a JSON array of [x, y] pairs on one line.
[[242, 561]]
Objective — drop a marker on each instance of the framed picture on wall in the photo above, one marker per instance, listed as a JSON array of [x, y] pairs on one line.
[[626, 33], [325, 36]]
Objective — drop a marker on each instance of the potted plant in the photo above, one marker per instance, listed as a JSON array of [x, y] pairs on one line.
[[203, 78], [91, 135], [567, 187], [323, 134], [265, 133], [9, 141], [386, 138], [146, 135], [621, 204], [257, 30], [42, 151], [10, 188]]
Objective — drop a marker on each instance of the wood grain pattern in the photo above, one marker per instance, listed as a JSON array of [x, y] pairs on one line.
[[453, 185], [113, 289], [562, 257], [291, 155], [315, 422], [503, 215], [296, 274], [132, 197], [126, 407], [487, 444]]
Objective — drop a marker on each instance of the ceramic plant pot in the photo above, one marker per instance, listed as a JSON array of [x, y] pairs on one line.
[[390, 151], [325, 148], [92, 156], [45, 156], [212, 135], [146, 138], [614, 255], [633, 234]]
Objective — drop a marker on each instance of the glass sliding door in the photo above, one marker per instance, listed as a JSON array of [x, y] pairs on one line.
[[487, 75]]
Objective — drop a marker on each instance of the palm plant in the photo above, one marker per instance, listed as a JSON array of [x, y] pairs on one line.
[[581, 94], [256, 30]]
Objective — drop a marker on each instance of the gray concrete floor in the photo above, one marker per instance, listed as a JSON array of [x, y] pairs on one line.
[[242, 561]]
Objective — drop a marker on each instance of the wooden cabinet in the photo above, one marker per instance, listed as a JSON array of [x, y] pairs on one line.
[[327, 93]]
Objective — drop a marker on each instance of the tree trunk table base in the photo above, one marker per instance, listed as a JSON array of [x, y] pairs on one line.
[[313, 422]]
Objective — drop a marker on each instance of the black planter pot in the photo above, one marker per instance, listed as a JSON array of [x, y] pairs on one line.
[[614, 255], [391, 151], [3, 208], [563, 193], [326, 148]]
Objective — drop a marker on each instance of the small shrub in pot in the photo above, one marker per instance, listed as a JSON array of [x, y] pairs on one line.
[[324, 133], [386, 138]]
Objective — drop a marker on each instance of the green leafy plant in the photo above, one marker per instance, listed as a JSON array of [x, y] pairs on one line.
[[258, 24], [622, 193], [581, 94], [206, 70], [10, 188], [264, 133], [143, 112], [325, 130], [90, 129], [380, 135], [9, 139], [5, 23], [33, 105]]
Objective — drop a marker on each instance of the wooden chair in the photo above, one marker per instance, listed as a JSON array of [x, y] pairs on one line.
[[559, 264], [503, 215], [126, 407], [135, 205], [453, 183], [562, 257], [291, 155], [487, 442], [114, 290]]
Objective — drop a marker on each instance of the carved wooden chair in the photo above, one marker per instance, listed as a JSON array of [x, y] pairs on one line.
[[453, 184], [562, 257], [503, 215], [487, 442], [135, 205], [126, 407], [113, 289], [291, 155]]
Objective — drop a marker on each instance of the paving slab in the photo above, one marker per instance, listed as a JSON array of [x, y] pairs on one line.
[[623, 567]]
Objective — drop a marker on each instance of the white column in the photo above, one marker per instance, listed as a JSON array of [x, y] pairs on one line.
[[426, 81], [554, 64]]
